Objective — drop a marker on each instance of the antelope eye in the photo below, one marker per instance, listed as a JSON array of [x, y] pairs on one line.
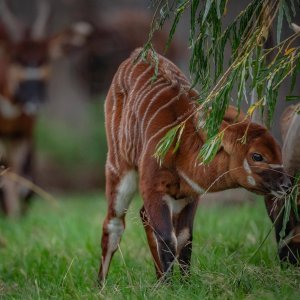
[[257, 157]]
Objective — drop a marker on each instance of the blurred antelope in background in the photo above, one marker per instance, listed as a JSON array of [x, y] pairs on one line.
[[290, 131], [25, 64], [139, 112]]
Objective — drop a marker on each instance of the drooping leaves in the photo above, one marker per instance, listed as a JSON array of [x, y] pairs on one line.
[[251, 68]]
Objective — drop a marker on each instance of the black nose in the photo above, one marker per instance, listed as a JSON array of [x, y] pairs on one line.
[[286, 184]]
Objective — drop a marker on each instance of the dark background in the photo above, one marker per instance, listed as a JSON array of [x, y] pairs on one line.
[[70, 134]]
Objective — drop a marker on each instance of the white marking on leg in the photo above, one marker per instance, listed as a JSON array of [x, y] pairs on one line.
[[197, 188], [125, 192], [247, 167], [115, 229], [182, 238], [174, 240], [176, 205], [251, 180]]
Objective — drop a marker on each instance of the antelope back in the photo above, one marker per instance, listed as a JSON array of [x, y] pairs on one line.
[[142, 106], [148, 97]]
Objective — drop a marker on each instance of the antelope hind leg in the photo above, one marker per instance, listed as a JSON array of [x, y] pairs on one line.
[[119, 193]]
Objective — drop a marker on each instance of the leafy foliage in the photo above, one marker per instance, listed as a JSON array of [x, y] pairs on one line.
[[252, 69], [290, 205]]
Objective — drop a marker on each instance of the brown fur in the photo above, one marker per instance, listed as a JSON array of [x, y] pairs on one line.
[[139, 112], [23, 60]]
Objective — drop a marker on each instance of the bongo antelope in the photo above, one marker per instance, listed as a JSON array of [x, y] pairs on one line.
[[290, 132], [139, 111], [25, 61], [290, 129]]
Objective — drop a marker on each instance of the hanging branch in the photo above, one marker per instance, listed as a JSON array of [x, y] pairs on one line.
[[248, 68]]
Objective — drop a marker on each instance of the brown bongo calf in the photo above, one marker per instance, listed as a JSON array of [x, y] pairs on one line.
[[139, 112]]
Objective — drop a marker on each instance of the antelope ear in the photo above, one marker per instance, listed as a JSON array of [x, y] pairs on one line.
[[233, 115], [229, 137], [71, 39]]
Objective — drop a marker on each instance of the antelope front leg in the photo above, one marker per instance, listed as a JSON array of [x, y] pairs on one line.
[[10, 197], [160, 233], [183, 223], [152, 242]]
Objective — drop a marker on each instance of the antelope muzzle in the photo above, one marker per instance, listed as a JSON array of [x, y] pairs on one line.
[[276, 182]]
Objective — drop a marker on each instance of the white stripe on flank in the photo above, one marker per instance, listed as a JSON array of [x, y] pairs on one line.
[[150, 103], [135, 111], [197, 188], [129, 110], [120, 86], [121, 75], [137, 81], [134, 95], [145, 91], [129, 77], [176, 122], [112, 127], [156, 113]]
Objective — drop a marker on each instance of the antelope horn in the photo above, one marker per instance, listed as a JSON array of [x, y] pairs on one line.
[[12, 24], [39, 26], [296, 27]]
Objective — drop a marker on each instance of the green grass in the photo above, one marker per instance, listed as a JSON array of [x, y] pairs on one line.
[[54, 252]]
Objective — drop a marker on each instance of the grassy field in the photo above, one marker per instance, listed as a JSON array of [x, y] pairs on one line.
[[54, 252]]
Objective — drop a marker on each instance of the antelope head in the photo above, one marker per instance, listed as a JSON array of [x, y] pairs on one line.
[[255, 159], [29, 53]]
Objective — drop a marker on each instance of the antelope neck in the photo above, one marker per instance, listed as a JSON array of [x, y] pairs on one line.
[[198, 176]]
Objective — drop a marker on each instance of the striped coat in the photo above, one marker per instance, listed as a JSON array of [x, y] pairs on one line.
[[139, 111]]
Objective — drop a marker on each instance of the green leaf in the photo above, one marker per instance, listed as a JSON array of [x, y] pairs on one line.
[[206, 11], [210, 148], [286, 12], [166, 142], [292, 97], [293, 7], [279, 20]]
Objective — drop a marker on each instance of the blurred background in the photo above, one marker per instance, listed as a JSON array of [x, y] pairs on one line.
[[69, 135]]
